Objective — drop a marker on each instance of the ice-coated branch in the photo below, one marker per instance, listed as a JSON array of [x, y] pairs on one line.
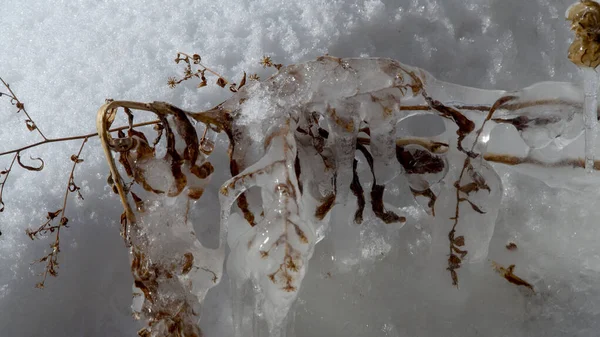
[[312, 136], [585, 52], [299, 138]]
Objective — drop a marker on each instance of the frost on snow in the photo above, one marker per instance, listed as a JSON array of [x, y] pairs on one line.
[[312, 136]]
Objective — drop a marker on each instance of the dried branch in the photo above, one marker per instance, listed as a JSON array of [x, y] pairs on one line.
[[64, 139], [6, 173], [199, 73], [51, 258], [31, 125]]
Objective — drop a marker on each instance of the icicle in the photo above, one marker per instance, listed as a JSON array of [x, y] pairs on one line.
[[584, 52], [237, 299], [343, 122], [590, 114]]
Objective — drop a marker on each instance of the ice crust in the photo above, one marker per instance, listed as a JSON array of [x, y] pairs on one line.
[[64, 59]]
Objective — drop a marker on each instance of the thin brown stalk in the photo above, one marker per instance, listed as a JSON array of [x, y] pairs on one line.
[[21, 106], [64, 139], [6, 173], [52, 257]]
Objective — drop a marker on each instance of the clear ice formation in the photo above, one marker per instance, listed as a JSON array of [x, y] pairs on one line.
[[590, 115], [318, 134]]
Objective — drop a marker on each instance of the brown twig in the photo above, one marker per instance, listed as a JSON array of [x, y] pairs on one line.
[[16, 102], [89, 135], [455, 242], [52, 257], [199, 73], [3, 183]]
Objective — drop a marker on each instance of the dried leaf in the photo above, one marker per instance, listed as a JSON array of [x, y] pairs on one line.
[[111, 183], [195, 193], [30, 168], [73, 187], [508, 274], [300, 233], [175, 159], [202, 171], [52, 215], [30, 125], [454, 262], [242, 82], [358, 191], [416, 161], [459, 241], [139, 204], [142, 148], [454, 277], [124, 231], [511, 246], [478, 179], [386, 216], [468, 188], [326, 205], [242, 201], [298, 172], [75, 158], [188, 263], [124, 159], [377, 193], [428, 193], [475, 207], [460, 252], [159, 131], [187, 131], [464, 124], [221, 82], [121, 144]]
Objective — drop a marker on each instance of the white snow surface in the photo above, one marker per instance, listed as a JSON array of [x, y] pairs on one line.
[[64, 58]]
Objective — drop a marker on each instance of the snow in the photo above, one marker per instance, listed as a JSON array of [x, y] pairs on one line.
[[63, 59]]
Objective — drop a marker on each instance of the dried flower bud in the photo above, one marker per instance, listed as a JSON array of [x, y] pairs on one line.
[[585, 22]]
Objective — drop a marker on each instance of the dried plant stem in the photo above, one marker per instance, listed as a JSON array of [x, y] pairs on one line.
[[514, 160], [20, 106], [89, 135], [202, 65], [52, 257], [454, 261], [101, 126], [509, 107], [215, 121], [7, 172]]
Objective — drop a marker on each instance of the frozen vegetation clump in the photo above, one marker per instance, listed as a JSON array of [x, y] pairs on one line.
[[301, 142], [337, 132]]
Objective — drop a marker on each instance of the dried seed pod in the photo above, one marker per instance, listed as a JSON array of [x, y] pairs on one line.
[[585, 22]]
